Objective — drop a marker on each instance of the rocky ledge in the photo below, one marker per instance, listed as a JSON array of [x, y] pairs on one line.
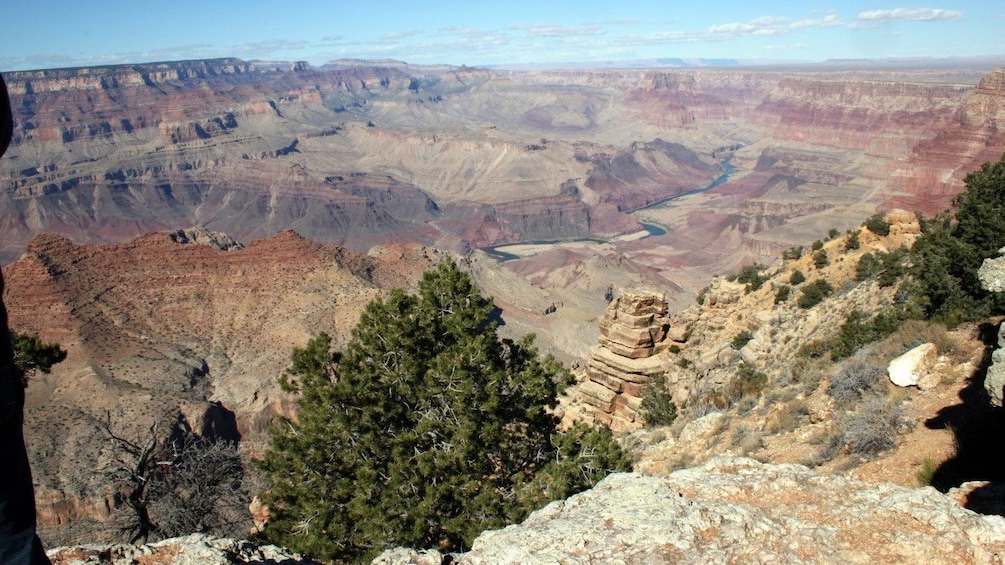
[[196, 549], [737, 510]]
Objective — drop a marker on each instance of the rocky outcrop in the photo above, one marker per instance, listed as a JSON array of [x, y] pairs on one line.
[[992, 273], [634, 332], [736, 510], [992, 277], [196, 549]]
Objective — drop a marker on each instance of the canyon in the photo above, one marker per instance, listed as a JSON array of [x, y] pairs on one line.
[[180, 227], [459, 158]]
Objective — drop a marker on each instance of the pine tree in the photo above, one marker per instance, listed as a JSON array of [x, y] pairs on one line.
[[426, 431]]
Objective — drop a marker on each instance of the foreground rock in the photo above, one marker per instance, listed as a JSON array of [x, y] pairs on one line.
[[196, 549], [736, 510], [992, 275]]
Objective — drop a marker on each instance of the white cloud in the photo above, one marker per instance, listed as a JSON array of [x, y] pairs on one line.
[[912, 14], [786, 47], [772, 25], [396, 35], [548, 30]]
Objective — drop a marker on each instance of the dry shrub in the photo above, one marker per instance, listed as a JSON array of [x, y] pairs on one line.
[[873, 429], [914, 333], [855, 379], [788, 417], [831, 445]]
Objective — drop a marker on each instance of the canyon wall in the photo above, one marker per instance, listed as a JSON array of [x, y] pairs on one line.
[[359, 153]]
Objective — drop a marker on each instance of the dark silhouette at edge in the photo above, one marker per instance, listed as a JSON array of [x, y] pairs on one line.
[[19, 543]]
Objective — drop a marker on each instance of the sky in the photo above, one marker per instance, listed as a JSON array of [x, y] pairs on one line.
[[36, 34]]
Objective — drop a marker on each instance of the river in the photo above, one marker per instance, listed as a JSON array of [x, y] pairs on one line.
[[656, 229], [499, 251]]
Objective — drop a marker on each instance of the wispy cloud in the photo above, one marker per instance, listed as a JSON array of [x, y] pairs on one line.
[[396, 35], [615, 22], [549, 30], [785, 47], [911, 14]]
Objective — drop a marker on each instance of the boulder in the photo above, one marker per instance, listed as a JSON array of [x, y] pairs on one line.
[[992, 273], [910, 368]]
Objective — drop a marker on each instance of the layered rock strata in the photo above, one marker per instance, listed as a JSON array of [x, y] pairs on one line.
[[634, 332]]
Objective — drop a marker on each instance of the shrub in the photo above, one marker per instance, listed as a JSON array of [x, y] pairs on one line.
[[855, 331], [868, 266], [814, 349], [820, 259], [426, 431], [700, 299], [854, 379], [792, 253], [749, 275], [927, 472], [833, 233], [873, 429], [748, 381], [658, 408], [741, 339], [31, 355], [674, 348], [817, 245], [852, 241], [782, 295], [797, 278], [878, 225], [814, 293]]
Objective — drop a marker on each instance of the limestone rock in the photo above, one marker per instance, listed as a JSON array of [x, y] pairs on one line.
[[403, 556], [994, 383], [195, 549], [202, 236], [634, 334], [992, 273], [911, 367], [736, 510]]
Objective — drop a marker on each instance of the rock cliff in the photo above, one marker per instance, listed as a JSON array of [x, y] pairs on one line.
[[172, 327]]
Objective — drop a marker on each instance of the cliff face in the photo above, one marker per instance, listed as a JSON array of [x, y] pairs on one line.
[[938, 166], [166, 328]]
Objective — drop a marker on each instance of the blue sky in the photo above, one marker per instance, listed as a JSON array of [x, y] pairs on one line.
[[59, 33]]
